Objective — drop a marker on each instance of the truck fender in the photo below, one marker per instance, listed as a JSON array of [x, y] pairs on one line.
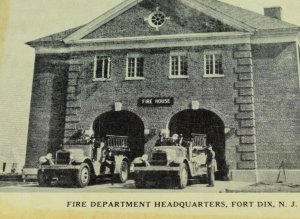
[[119, 160], [179, 160], [87, 161]]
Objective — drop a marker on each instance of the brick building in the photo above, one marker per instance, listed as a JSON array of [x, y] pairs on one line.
[[174, 66]]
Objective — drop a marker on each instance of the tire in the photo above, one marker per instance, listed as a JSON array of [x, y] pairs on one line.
[[183, 175], [139, 181], [43, 179], [124, 172], [83, 176]]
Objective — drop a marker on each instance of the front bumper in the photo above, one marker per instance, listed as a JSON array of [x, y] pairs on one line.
[[58, 167], [156, 169]]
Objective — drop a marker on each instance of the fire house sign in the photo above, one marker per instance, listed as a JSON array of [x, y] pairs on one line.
[[153, 101]]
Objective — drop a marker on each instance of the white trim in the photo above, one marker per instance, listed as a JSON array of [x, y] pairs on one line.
[[134, 78], [169, 41], [101, 20], [95, 68], [200, 36], [179, 76], [101, 79], [278, 38], [213, 53], [135, 57], [213, 76]]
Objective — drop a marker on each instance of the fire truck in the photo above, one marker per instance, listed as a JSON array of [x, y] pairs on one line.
[[176, 162], [80, 162]]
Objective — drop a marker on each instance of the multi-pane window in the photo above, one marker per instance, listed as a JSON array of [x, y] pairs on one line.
[[213, 64], [102, 68], [135, 68], [179, 66]]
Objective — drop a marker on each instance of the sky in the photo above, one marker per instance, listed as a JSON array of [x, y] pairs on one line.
[[31, 19]]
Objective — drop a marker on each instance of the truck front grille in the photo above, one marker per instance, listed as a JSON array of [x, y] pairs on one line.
[[159, 159], [63, 158]]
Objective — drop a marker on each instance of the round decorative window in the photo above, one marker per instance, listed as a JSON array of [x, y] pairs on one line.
[[157, 19]]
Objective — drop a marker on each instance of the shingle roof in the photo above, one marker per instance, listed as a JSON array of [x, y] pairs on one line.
[[56, 37], [249, 18]]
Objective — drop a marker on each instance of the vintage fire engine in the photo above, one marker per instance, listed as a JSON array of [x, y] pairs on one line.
[[176, 162], [80, 162]]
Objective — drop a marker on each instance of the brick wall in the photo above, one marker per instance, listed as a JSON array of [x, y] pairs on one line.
[[183, 20], [258, 99], [87, 99], [47, 114], [276, 87]]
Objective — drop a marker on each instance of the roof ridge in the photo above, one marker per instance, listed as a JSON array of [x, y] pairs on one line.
[[206, 3], [201, 2]]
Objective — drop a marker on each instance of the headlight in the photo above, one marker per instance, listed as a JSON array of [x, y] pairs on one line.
[[43, 160], [72, 157], [145, 157], [169, 158]]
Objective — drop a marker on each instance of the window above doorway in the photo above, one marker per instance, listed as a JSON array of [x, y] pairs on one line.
[[213, 64], [178, 65], [134, 67], [102, 68]]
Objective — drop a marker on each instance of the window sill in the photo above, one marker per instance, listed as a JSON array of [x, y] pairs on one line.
[[179, 77], [101, 79], [134, 79], [213, 76]]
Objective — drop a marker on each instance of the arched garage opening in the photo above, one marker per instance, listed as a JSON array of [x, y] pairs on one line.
[[122, 123], [202, 122]]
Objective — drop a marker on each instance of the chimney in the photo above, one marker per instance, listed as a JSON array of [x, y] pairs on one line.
[[273, 12]]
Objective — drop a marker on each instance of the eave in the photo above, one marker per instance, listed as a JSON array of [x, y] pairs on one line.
[[169, 41]]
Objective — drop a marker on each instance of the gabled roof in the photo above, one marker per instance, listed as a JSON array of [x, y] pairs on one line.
[[57, 37], [237, 17], [250, 18]]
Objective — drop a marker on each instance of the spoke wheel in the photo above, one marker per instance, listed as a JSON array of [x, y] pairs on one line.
[[124, 172], [83, 175], [183, 176]]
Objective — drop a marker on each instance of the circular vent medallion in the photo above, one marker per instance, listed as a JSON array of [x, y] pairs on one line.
[[157, 19]]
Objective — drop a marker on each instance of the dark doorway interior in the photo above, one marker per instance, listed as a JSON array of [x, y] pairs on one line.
[[202, 122], [122, 123]]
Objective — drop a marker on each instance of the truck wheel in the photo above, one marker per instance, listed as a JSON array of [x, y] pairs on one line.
[[124, 172], [43, 179], [183, 176], [83, 176], [139, 181]]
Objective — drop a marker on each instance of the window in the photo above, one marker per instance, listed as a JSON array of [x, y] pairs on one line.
[[102, 68], [178, 66], [135, 68], [213, 63]]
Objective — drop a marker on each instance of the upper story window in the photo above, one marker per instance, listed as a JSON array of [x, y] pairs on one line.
[[102, 68], [213, 64], [178, 65], [134, 67]]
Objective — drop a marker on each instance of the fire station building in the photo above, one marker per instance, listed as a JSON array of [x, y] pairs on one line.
[[174, 66]]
